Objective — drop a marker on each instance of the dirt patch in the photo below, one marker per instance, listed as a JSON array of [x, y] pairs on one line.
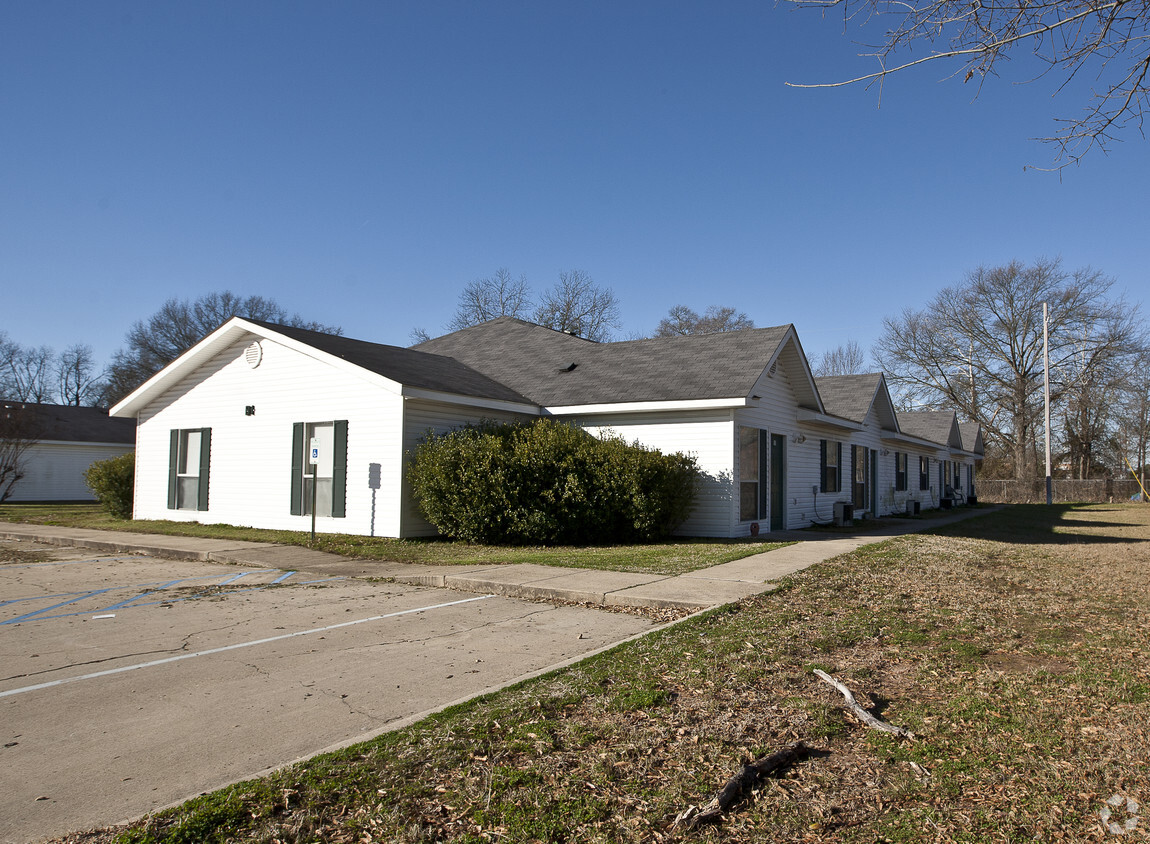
[[1027, 663]]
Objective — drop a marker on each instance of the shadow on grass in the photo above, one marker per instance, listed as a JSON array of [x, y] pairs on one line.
[[1043, 524]]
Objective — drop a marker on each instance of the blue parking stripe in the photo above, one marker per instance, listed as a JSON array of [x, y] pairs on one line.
[[35, 613], [118, 588], [124, 603], [131, 603]]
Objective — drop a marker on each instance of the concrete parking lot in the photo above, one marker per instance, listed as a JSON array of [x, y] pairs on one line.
[[128, 682]]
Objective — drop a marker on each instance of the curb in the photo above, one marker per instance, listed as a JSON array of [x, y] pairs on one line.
[[693, 591]]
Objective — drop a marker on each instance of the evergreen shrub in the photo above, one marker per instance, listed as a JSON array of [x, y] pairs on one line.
[[549, 483], [112, 481]]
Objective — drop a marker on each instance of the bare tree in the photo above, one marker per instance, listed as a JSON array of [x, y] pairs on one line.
[[978, 347], [8, 351], [488, 298], [845, 359], [27, 371], [1132, 431], [576, 305], [1108, 41], [684, 320], [178, 325], [19, 431], [1097, 381], [78, 384]]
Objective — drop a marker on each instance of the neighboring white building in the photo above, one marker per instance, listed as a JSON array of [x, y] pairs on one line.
[[224, 431], [67, 440]]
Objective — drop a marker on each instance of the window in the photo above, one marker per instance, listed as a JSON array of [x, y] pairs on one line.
[[750, 474], [327, 479], [189, 456], [957, 484], [924, 473], [900, 471], [831, 461]]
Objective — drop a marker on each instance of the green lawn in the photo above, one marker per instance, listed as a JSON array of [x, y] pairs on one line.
[[668, 558], [1014, 646]]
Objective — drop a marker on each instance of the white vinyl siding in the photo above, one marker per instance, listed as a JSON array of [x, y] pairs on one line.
[[776, 412], [250, 466], [709, 435], [54, 470]]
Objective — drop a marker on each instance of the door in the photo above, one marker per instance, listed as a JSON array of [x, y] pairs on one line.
[[778, 484], [860, 476], [874, 482]]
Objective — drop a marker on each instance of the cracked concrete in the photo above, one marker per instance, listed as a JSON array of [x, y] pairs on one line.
[[85, 748], [110, 718]]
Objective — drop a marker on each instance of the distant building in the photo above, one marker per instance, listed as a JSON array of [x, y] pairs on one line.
[[67, 441]]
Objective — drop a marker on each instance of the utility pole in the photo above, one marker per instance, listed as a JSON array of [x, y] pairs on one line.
[[1046, 393]]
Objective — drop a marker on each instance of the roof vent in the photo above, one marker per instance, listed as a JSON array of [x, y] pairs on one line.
[[253, 354], [569, 367]]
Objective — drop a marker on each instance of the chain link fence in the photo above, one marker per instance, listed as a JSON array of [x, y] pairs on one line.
[[1102, 491]]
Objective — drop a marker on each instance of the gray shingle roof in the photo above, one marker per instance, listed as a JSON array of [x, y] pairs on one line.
[[413, 368], [65, 423], [971, 437], [537, 362], [849, 396], [933, 425]]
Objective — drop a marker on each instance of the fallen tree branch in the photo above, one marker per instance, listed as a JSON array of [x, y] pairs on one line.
[[738, 785], [862, 714]]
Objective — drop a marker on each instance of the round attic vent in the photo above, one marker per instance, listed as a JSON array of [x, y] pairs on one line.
[[253, 354]]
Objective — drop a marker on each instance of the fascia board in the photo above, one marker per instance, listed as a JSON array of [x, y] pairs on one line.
[[822, 420], [792, 336], [471, 401], [223, 337], [908, 439], [186, 363], [346, 367], [645, 406]]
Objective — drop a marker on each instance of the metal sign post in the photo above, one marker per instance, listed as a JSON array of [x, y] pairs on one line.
[[1046, 394], [313, 458]]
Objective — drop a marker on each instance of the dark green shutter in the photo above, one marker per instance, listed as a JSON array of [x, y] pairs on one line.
[[297, 469], [823, 466], [173, 469], [205, 464], [339, 471], [764, 476]]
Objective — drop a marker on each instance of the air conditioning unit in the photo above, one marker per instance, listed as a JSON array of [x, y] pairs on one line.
[[844, 513]]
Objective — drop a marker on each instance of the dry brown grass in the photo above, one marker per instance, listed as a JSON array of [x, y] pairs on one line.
[[1014, 646]]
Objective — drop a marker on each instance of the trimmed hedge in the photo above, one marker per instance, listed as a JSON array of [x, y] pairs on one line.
[[549, 483], [112, 481]]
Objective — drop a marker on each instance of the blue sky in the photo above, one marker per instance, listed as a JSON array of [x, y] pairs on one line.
[[361, 162]]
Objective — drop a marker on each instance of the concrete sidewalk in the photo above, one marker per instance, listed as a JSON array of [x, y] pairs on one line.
[[693, 591]]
